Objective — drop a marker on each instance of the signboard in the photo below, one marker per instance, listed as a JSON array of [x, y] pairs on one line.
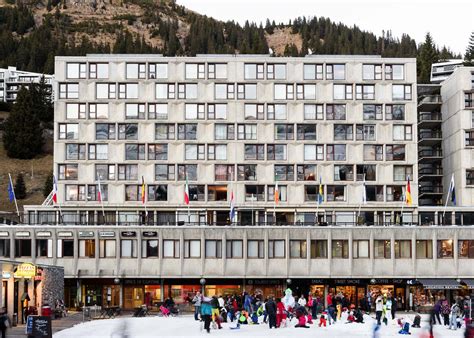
[[3, 233], [133, 281], [347, 281], [264, 282], [129, 234], [22, 234], [39, 327], [25, 270], [43, 234], [106, 234], [86, 233], [149, 233], [6, 274], [64, 233]]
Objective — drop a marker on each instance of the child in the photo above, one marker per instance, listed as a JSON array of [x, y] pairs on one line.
[[322, 319], [350, 317]]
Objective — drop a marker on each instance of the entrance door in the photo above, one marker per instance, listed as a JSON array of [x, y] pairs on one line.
[[133, 297], [360, 295]]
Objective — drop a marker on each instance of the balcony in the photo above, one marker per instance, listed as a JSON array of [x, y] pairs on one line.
[[430, 189], [430, 119], [430, 155], [429, 103], [430, 172]]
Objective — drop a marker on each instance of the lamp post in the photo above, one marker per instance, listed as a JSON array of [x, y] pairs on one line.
[[202, 281]]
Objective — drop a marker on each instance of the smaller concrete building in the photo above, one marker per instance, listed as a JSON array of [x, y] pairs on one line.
[[12, 79]]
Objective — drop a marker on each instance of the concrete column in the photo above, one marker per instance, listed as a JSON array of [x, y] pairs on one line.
[[372, 252], [11, 295], [392, 251], [351, 253], [435, 252], [308, 252], [33, 246], [456, 252], [329, 253], [139, 253]]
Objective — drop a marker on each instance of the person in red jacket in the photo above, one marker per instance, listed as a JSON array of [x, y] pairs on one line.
[[281, 314], [329, 299]]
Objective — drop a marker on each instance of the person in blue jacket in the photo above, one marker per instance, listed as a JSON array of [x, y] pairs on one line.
[[206, 313]]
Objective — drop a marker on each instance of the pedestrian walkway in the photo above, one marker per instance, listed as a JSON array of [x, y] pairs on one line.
[[72, 319]]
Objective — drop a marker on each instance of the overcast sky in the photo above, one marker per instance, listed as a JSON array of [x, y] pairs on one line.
[[449, 21]]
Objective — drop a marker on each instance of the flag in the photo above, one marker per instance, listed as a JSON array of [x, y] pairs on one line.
[[99, 192], [364, 192], [452, 190], [143, 191], [186, 192], [408, 192], [232, 207], [320, 191], [11, 190], [55, 190], [277, 194]]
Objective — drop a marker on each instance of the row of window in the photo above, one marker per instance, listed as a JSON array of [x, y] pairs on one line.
[[252, 71], [239, 91], [218, 111], [276, 248]]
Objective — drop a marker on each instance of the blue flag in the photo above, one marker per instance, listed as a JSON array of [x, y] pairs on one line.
[[11, 193]]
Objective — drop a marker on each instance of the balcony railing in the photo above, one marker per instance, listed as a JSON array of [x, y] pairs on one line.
[[430, 153], [430, 171], [430, 134], [431, 189], [425, 116], [429, 99]]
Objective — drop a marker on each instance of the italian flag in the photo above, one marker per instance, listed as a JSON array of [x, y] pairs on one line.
[[186, 192]]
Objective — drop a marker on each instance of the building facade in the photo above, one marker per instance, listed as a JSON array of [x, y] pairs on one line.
[[11, 80]]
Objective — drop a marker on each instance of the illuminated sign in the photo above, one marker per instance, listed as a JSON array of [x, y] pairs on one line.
[[25, 270]]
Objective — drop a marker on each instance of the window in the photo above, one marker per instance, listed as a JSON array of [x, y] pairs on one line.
[[22, 247], [313, 112], [365, 92], [187, 131], [382, 249], [216, 151], [254, 71], [394, 72], [374, 193], [107, 248], [365, 132], [373, 152], [197, 192], [306, 172], [335, 193], [224, 91], [401, 92], [187, 169], [344, 172], [5, 248], [372, 112], [276, 71], [69, 90], [284, 132], [402, 249], [424, 249], [157, 111], [192, 248], [312, 71], [254, 193], [246, 172], [149, 248], [164, 131], [224, 172], [306, 92], [164, 172], [133, 192], [246, 131], [311, 193], [44, 248], [224, 132], [469, 177], [445, 248], [466, 248], [402, 172], [195, 71], [217, 70], [134, 152], [128, 131], [319, 248], [343, 132], [136, 70], [93, 192], [105, 131], [276, 152], [276, 248], [98, 111], [402, 132], [372, 72], [106, 90], [68, 131], [246, 91], [67, 171], [217, 111], [336, 152], [394, 193], [395, 112], [469, 100], [469, 138], [297, 249], [342, 92], [366, 172], [255, 249], [234, 248], [283, 91], [135, 111], [158, 151], [87, 248], [282, 193], [157, 192], [254, 111], [276, 111], [128, 91], [65, 248], [98, 70], [157, 70], [336, 112], [165, 91], [340, 249], [187, 91], [360, 249], [395, 152], [216, 193], [128, 248], [254, 152], [75, 110], [76, 71], [75, 151], [170, 248], [284, 172], [306, 132], [195, 152], [75, 192], [194, 111], [104, 172], [313, 152], [336, 72], [213, 248], [128, 172]]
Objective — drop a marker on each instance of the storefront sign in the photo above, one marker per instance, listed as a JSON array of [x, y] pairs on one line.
[[380, 281], [106, 234], [149, 233], [129, 234], [264, 281], [65, 234], [6, 274], [25, 270], [3, 233], [144, 281], [86, 233], [317, 281], [347, 281], [22, 234], [43, 234]]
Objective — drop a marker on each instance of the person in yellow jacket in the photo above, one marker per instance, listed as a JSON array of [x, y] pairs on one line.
[[339, 311]]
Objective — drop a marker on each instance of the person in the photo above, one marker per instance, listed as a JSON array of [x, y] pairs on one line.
[[197, 299], [331, 314], [388, 308], [453, 316], [359, 317], [271, 310], [24, 305], [445, 311], [302, 301], [378, 309], [206, 313], [437, 312], [247, 302], [4, 322], [215, 311], [280, 314], [394, 307], [329, 299], [322, 319], [416, 321], [301, 317]]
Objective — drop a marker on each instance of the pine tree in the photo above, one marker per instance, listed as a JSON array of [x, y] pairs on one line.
[[20, 187], [428, 54], [48, 185], [22, 137], [49, 6], [469, 56]]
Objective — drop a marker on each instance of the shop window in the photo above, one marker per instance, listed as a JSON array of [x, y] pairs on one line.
[[171, 248], [22, 247], [340, 249], [234, 248], [149, 248], [424, 249], [44, 248], [360, 249], [276, 248], [4, 248], [445, 248], [107, 248], [466, 248], [403, 249], [192, 248], [255, 249], [298, 249], [87, 248], [382, 249], [65, 248], [213, 248], [319, 248]]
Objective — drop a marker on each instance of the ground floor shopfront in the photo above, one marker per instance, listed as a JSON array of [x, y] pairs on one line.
[[129, 293]]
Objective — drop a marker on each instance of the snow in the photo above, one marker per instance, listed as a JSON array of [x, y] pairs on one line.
[[186, 326]]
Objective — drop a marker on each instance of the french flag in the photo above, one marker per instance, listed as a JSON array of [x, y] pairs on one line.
[[232, 207], [55, 190]]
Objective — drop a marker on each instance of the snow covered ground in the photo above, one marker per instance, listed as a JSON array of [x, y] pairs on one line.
[[185, 326]]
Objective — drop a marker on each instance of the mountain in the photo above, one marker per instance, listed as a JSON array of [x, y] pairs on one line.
[[32, 32]]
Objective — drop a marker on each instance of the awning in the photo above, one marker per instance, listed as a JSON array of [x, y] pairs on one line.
[[469, 282], [439, 283]]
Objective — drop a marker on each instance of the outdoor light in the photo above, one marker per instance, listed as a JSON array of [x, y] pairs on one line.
[[288, 281], [202, 281], [117, 280]]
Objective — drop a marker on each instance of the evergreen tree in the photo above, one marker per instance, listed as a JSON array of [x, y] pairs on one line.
[[48, 185], [20, 187], [22, 137], [427, 56], [469, 56]]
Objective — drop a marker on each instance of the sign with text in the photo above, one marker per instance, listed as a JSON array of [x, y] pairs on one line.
[[25, 270], [39, 327]]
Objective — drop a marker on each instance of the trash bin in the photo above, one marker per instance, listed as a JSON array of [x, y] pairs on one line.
[[15, 319], [46, 310]]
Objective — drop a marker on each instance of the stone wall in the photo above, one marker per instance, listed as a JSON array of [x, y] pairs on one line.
[[53, 285]]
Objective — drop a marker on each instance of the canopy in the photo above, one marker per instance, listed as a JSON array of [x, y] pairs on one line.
[[439, 283], [469, 282]]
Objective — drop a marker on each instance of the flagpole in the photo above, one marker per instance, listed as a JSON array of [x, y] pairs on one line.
[[55, 190], [101, 200], [404, 198], [447, 199], [14, 196]]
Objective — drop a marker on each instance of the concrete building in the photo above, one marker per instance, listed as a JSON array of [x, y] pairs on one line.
[[12, 79], [440, 71]]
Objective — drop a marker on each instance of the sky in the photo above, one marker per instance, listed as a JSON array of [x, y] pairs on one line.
[[449, 21]]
